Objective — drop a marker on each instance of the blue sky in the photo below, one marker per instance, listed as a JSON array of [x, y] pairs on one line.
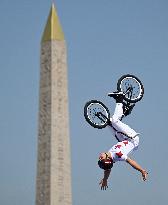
[[105, 39]]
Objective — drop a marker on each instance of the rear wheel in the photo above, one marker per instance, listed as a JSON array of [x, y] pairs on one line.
[[132, 87]]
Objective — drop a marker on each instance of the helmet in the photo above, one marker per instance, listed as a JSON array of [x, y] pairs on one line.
[[105, 163]]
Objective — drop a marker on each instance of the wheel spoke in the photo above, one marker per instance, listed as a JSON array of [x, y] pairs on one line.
[[102, 117]]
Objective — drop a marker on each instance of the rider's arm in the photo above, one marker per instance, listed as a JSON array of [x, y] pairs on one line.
[[103, 182], [106, 174], [136, 166]]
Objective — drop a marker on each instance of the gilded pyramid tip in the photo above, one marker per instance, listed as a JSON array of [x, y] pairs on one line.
[[53, 30]]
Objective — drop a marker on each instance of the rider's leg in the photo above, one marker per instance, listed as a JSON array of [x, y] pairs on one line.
[[118, 112], [119, 126]]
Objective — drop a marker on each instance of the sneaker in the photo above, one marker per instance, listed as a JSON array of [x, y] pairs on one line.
[[117, 95]]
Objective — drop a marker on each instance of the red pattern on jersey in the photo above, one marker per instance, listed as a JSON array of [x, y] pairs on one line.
[[119, 154], [125, 142], [118, 146]]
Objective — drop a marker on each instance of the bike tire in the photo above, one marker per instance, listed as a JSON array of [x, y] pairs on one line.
[[91, 110], [138, 94]]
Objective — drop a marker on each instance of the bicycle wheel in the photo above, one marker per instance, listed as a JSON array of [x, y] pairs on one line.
[[96, 114], [132, 87]]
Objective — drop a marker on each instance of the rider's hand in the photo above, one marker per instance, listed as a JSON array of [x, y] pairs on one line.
[[144, 175], [103, 184]]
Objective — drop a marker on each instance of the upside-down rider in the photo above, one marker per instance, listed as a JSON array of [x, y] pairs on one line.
[[128, 141]]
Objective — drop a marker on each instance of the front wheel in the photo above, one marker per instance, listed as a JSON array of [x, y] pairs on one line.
[[96, 114], [132, 87]]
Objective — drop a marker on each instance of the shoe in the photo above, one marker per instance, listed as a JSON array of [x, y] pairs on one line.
[[117, 95]]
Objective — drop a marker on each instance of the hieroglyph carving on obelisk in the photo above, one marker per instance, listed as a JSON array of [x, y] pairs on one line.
[[53, 184]]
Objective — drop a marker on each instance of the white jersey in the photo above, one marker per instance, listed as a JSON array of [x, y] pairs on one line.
[[121, 150]]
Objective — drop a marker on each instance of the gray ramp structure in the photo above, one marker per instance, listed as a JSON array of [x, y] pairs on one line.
[[53, 181]]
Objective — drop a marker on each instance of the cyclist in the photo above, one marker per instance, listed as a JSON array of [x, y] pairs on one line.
[[128, 141]]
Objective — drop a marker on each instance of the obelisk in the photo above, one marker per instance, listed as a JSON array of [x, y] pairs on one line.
[[53, 183]]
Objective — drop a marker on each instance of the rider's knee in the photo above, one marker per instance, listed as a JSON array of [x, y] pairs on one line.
[[114, 119]]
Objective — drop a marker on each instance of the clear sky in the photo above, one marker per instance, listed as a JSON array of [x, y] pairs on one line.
[[105, 39]]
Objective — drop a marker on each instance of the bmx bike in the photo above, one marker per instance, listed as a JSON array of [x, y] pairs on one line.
[[97, 114]]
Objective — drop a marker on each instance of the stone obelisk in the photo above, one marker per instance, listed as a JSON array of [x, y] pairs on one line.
[[53, 184]]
